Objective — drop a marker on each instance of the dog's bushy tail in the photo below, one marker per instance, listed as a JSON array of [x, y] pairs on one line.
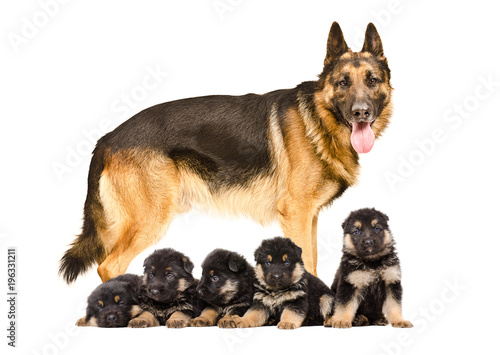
[[88, 247]]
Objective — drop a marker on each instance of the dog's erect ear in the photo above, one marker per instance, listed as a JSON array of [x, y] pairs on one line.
[[235, 264], [188, 264], [336, 45], [373, 43]]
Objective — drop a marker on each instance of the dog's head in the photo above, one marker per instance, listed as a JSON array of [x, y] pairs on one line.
[[367, 234], [224, 275], [167, 273], [355, 87], [114, 303], [279, 263]]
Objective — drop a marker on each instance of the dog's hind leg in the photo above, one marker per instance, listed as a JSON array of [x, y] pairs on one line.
[[139, 193]]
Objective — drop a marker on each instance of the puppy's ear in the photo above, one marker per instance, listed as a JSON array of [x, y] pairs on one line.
[[188, 264], [384, 216], [346, 222], [298, 250], [235, 263], [259, 254]]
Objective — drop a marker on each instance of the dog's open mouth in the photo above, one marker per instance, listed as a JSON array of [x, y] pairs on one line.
[[362, 136]]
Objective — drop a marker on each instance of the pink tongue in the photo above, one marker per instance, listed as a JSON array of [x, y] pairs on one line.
[[362, 137]]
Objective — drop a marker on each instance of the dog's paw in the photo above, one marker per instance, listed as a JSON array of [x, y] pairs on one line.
[[360, 321], [381, 321], [82, 322], [288, 325], [227, 322], [337, 323], [238, 322], [200, 322], [402, 324], [176, 323], [143, 323]]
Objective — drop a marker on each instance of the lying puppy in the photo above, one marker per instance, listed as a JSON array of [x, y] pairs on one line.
[[113, 303], [168, 292], [367, 284], [227, 286], [286, 294]]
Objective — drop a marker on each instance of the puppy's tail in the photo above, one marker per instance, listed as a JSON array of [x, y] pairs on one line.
[[88, 247]]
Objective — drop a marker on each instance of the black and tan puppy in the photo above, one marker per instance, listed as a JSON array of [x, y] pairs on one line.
[[113, 303], [227, 286], [285, 293], [367, 284], [168, 292]]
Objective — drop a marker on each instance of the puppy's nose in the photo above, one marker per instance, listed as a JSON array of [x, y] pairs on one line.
[[277, 276], [112, 318], [368, 242], [154, 291]]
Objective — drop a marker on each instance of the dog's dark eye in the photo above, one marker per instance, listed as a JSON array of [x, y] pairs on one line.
[[377, 229], [343, 82], [356, 232], [170, 277], [151, 275], [99, 309], [268, 263], [215, 278], [373, 81], [121, 303], [287, 263]]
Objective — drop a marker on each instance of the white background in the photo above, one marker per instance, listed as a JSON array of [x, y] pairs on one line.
[[67, 70]]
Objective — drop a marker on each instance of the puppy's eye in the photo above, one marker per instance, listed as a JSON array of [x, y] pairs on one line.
[[121, 303], [215, 278], [356, 232], [268, 263], [170, 277], [287, 263], [151, 275], [377, 229], [99, 308]]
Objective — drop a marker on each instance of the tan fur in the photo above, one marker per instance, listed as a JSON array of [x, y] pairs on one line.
[[361, 278], [178, 320], [144, 320], [297, 273], [275, 300], [344, 314], [117, 298], [252, 318], [229, 289], [207, 318], [393, 312], [326, 305], [135, 311], [349, 245], [290, 319], [82, 322], [182, 285], [374, 222], [226, 321], [391, 274]]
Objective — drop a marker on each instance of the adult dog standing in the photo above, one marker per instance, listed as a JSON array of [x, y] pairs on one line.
[[278, 156]]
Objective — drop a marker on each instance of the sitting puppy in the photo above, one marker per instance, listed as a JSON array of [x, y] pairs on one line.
[[113, 303], [285, 293], [367, 284], [168, 292], [227, 286]]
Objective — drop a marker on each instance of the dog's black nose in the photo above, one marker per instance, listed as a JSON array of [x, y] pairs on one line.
[[361, 111], [277, 276], [154, 291], [368, 242], [112, 318]]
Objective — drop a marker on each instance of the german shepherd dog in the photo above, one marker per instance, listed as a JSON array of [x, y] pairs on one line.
[[278, 156]]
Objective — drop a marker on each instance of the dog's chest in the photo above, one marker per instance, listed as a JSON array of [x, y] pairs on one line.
[[275, 300], [363, 278]]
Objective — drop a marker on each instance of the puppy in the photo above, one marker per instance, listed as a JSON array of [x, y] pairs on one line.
[[285, 293], [367, 284], [227, 286], [113, 303], [168, 291]]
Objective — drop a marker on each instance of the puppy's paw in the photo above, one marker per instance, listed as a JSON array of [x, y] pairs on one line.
[[381, 321], [360, 321], [337, 323], [143, 323], [238, 322], [200, 322], [227, 322], [402, 324], [288, 325], [82, 322], [176, 323]]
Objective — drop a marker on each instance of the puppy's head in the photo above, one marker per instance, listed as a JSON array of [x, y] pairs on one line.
[[113, 303], [224, 275], [167, 273], [279, 263], [367, 234]]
